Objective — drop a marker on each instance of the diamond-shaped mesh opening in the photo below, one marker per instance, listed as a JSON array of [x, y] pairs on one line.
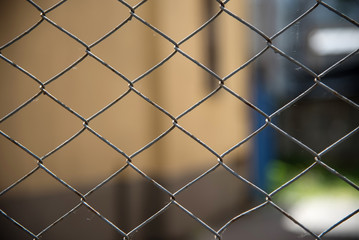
[[24, 204], [120, 199], [137, 120], [277, 87], [189, 85], [90, 25], [84, 158], [36, 121], [163, 161], [282, 17], [36, 51], [215, 40], [114, 49], [215, 192], [324, 112], [305, 45], [209, 121], [291, 162], [88, 80]]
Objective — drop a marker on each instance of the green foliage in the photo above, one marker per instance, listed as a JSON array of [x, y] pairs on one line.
[[317, 182]]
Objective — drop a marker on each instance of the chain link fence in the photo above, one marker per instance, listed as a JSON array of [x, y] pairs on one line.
[[130, 87]]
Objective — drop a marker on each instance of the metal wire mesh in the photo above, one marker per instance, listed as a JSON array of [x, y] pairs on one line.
[[134, 14]]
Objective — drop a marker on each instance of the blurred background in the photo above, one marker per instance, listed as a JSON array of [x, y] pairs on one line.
[[268, 159]]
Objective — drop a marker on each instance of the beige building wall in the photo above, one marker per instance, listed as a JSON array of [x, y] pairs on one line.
[[42, 125]]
